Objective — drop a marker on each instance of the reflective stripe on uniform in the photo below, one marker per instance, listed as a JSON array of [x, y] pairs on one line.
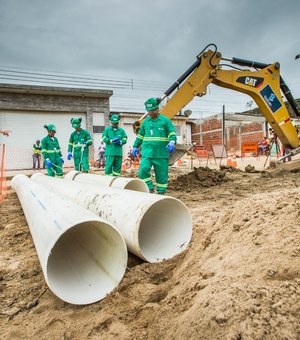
[[51, 151], [161, 185], [172, 134], [149, 179], [156, 139]]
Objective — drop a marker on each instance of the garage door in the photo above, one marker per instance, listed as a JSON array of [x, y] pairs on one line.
[[26, 128]]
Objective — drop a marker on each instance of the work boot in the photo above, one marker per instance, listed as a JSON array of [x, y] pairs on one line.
[[160, 193], [151, 191]]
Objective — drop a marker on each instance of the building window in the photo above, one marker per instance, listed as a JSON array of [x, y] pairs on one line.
[[178, 130], [98, 129]]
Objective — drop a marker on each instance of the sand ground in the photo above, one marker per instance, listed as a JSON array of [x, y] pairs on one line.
[[238, 279]]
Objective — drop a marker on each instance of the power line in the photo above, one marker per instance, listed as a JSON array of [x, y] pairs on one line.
[[129, 93], [82, 79]]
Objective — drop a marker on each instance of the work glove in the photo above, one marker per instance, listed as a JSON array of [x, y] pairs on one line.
[[134, 152], [171, 146], [62, 160], [116, 141], [49, 163], [69, 157]]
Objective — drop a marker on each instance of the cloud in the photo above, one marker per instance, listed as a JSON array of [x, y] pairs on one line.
[[155, 40]]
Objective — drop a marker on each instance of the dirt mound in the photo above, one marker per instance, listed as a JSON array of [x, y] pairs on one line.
[[200, 177], [250, 169]]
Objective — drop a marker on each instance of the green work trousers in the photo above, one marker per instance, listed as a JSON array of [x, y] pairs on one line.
[[56, 169], [113, 165], [81, 164], [161, 170]]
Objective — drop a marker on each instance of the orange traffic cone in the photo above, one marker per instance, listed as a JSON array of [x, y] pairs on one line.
[[179, 162], [229, 161], [234, 162]]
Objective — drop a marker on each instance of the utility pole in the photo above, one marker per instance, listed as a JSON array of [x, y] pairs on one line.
[[223, 125]]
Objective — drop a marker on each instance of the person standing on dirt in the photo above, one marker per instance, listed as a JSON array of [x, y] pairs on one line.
[[101, 151], [79, 143], [157, 136], [51, 152], [114, 137], [286, 150], [37, 155]]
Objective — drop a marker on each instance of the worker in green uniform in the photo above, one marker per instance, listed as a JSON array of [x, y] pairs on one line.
[[51, 153], [78, 147], [114, 137], [157, 137]]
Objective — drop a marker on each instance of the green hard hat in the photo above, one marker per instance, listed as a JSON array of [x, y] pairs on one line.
[[76, 122], [114, 118], [151, 104], [50, 127]]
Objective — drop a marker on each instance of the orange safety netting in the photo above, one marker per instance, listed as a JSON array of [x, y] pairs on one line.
[[3, 183]]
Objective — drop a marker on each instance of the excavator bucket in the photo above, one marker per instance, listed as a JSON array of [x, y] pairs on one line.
[[180, 150]]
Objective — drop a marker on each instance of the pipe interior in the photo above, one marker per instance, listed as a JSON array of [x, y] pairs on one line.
[[165, 230], [136, 185], [86, 263]]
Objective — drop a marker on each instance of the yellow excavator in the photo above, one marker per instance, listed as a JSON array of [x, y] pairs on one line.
[[260, 81]]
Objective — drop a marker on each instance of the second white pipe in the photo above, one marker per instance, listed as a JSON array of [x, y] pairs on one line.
[[135, 184]]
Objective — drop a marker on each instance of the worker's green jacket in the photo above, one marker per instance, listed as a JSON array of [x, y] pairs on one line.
[[51, 149], [108, 135], [76, 142], [154, 135]]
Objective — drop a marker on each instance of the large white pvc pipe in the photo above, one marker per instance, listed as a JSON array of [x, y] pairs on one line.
[[135, 184], [155, 227], [82, 256]]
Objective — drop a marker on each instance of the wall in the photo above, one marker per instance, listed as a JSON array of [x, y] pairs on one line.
[[209, 132], [46, 104]]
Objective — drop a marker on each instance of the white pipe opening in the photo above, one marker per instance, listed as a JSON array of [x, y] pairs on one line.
[[165, 230], [154, 227], [135, 184], [83, 257]]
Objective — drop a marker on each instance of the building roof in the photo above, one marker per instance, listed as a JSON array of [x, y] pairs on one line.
[[53, 90]]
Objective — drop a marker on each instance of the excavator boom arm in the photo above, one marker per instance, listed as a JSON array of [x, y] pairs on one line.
[[263, 85]]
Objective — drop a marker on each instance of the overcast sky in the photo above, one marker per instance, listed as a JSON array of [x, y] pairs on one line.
[[154, 40]]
